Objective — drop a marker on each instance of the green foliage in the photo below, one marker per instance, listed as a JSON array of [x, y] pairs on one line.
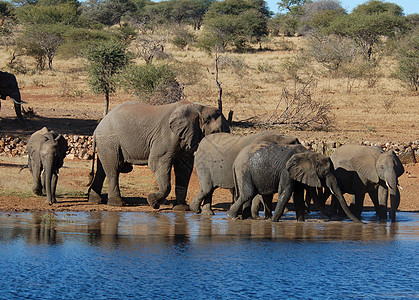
[[64, 14], [182, 38], [77, 40], [7, 19], [41, 42], [377, 7], [105, 61], [155, 84], [367, 25], [236, 22], [408, 60]]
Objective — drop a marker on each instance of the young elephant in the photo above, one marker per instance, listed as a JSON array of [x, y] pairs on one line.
[[214, 161], [266, 168], [363, 169], [46, 152]]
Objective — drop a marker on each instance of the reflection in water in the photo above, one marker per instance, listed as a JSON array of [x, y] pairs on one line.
[[180, 229], [112, 255]]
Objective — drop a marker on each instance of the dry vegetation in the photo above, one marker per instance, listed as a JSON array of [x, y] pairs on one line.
[[252, 86]]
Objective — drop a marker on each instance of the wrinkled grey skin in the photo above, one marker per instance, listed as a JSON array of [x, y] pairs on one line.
[[266, 168], [9, 87], [160, 136], [46, 153], [214, 161], [368, 169]]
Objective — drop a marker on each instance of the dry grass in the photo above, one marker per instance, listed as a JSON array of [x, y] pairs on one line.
[[252, 87]]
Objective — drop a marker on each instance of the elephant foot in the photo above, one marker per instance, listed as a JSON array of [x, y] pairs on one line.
[[153, 201], [115, 201], [180, 207], [206, 210], [231, 215], [94, 197], [195, 206], [37, 191]]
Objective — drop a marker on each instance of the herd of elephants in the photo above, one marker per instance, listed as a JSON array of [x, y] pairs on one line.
[[185, 134]]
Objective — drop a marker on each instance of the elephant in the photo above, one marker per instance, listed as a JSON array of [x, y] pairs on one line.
[[9, 87], [214, 161], [134, 133], [368, 169], [46, 153], [266, 168]]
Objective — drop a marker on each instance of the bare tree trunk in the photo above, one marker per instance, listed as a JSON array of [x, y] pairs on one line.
[[220, 89], [105, 112]]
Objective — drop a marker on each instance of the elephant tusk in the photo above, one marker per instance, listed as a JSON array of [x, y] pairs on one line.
[[17, 102], [400, 187], [388, 185]]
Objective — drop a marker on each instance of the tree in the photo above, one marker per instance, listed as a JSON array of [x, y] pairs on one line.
[[106, 60], [318, 15], [41, 42], [408, 60], [288, 21], [368, 23], [7, 20], [63, 14], [236, 22]]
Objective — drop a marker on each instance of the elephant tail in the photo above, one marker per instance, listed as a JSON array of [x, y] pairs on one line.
[[92, 172]]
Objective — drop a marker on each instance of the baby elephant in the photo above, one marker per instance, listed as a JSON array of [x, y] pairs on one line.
[[46, 152], [266, 168]]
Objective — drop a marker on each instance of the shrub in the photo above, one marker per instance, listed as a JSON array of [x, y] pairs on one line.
[[154, 84]]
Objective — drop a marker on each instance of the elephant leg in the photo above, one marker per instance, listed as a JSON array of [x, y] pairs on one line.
[[183, 167], [256, 205], [95, 189], [241, 201], [374, 198], [37, 184], [114, 194], [267, 207], [317, 195], [382, 202], [357, 203], [298, 198], [206, 206], [285, 190], [161, 168]]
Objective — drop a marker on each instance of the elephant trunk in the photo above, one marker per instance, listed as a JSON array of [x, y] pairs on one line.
[[392, 185], [332, 184], [48, 185], [18, 105]]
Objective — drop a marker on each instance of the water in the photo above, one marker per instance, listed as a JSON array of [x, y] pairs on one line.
[[111, 255]]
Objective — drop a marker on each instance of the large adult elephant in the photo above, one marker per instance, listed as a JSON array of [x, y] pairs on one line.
[[214, 161], [160, 136], [46, 153], [266, 168], [9, 87], [368, 169]]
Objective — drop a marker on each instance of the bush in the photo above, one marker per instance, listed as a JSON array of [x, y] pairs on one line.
[[154, 84], [182, 38]]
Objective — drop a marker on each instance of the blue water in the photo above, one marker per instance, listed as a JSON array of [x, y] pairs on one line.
[[171, 256]]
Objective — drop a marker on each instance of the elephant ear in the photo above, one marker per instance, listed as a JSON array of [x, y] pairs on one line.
[[398, 166], [184, 122], [62, 146], [301, 168], [364, 164]]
